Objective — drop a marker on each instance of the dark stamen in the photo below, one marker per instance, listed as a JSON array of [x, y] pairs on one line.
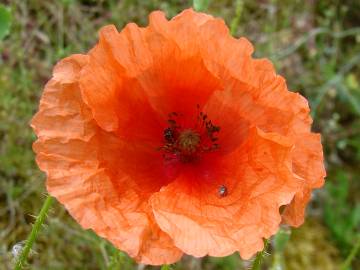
[[188, 144]]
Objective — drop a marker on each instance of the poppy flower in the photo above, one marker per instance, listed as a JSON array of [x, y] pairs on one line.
[[172, 139]]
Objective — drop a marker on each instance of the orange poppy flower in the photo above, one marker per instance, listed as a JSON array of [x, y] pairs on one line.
[[172, 139]]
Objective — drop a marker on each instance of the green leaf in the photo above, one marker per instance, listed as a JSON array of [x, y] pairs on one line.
[[5, 21], [201, 5]]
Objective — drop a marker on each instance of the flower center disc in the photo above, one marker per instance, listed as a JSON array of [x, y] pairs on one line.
[[189, 141], [188, 144]]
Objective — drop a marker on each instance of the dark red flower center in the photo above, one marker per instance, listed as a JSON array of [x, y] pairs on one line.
[[186, 143]]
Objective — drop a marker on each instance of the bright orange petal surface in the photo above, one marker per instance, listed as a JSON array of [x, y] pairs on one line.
[[68, 150], [259, 180], [114, 156]]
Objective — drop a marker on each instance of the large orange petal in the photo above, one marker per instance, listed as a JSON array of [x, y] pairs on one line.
[[262, 98], [68, 151], [117, 101], [259, 180], [141, 71], [101, 122]]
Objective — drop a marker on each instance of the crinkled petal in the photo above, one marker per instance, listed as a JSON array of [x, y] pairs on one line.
[[262, 98], [259, 180], [140, 70], [101, 126], [68, 151], [308, 163]]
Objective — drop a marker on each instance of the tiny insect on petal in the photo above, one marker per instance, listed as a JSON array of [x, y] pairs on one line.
[[222, 191]]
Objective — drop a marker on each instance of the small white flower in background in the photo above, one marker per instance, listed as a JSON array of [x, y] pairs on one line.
[[17, 248]]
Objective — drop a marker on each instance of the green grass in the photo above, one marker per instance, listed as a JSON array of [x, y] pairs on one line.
[[314, 44]]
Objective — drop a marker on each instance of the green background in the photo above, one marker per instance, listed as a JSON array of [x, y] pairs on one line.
[[315, 45]]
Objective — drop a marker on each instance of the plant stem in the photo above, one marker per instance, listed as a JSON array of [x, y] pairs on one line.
[[235, 21], [259, 257], [346, 264], [33, 234], [165, 267]]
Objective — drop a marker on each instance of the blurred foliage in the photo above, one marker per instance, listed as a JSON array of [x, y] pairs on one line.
[[5, 21], [201, 5], [310, 248], [341, 216], [314, 44]]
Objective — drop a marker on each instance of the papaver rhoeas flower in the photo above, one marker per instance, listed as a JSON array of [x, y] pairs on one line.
[[172, 139]]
